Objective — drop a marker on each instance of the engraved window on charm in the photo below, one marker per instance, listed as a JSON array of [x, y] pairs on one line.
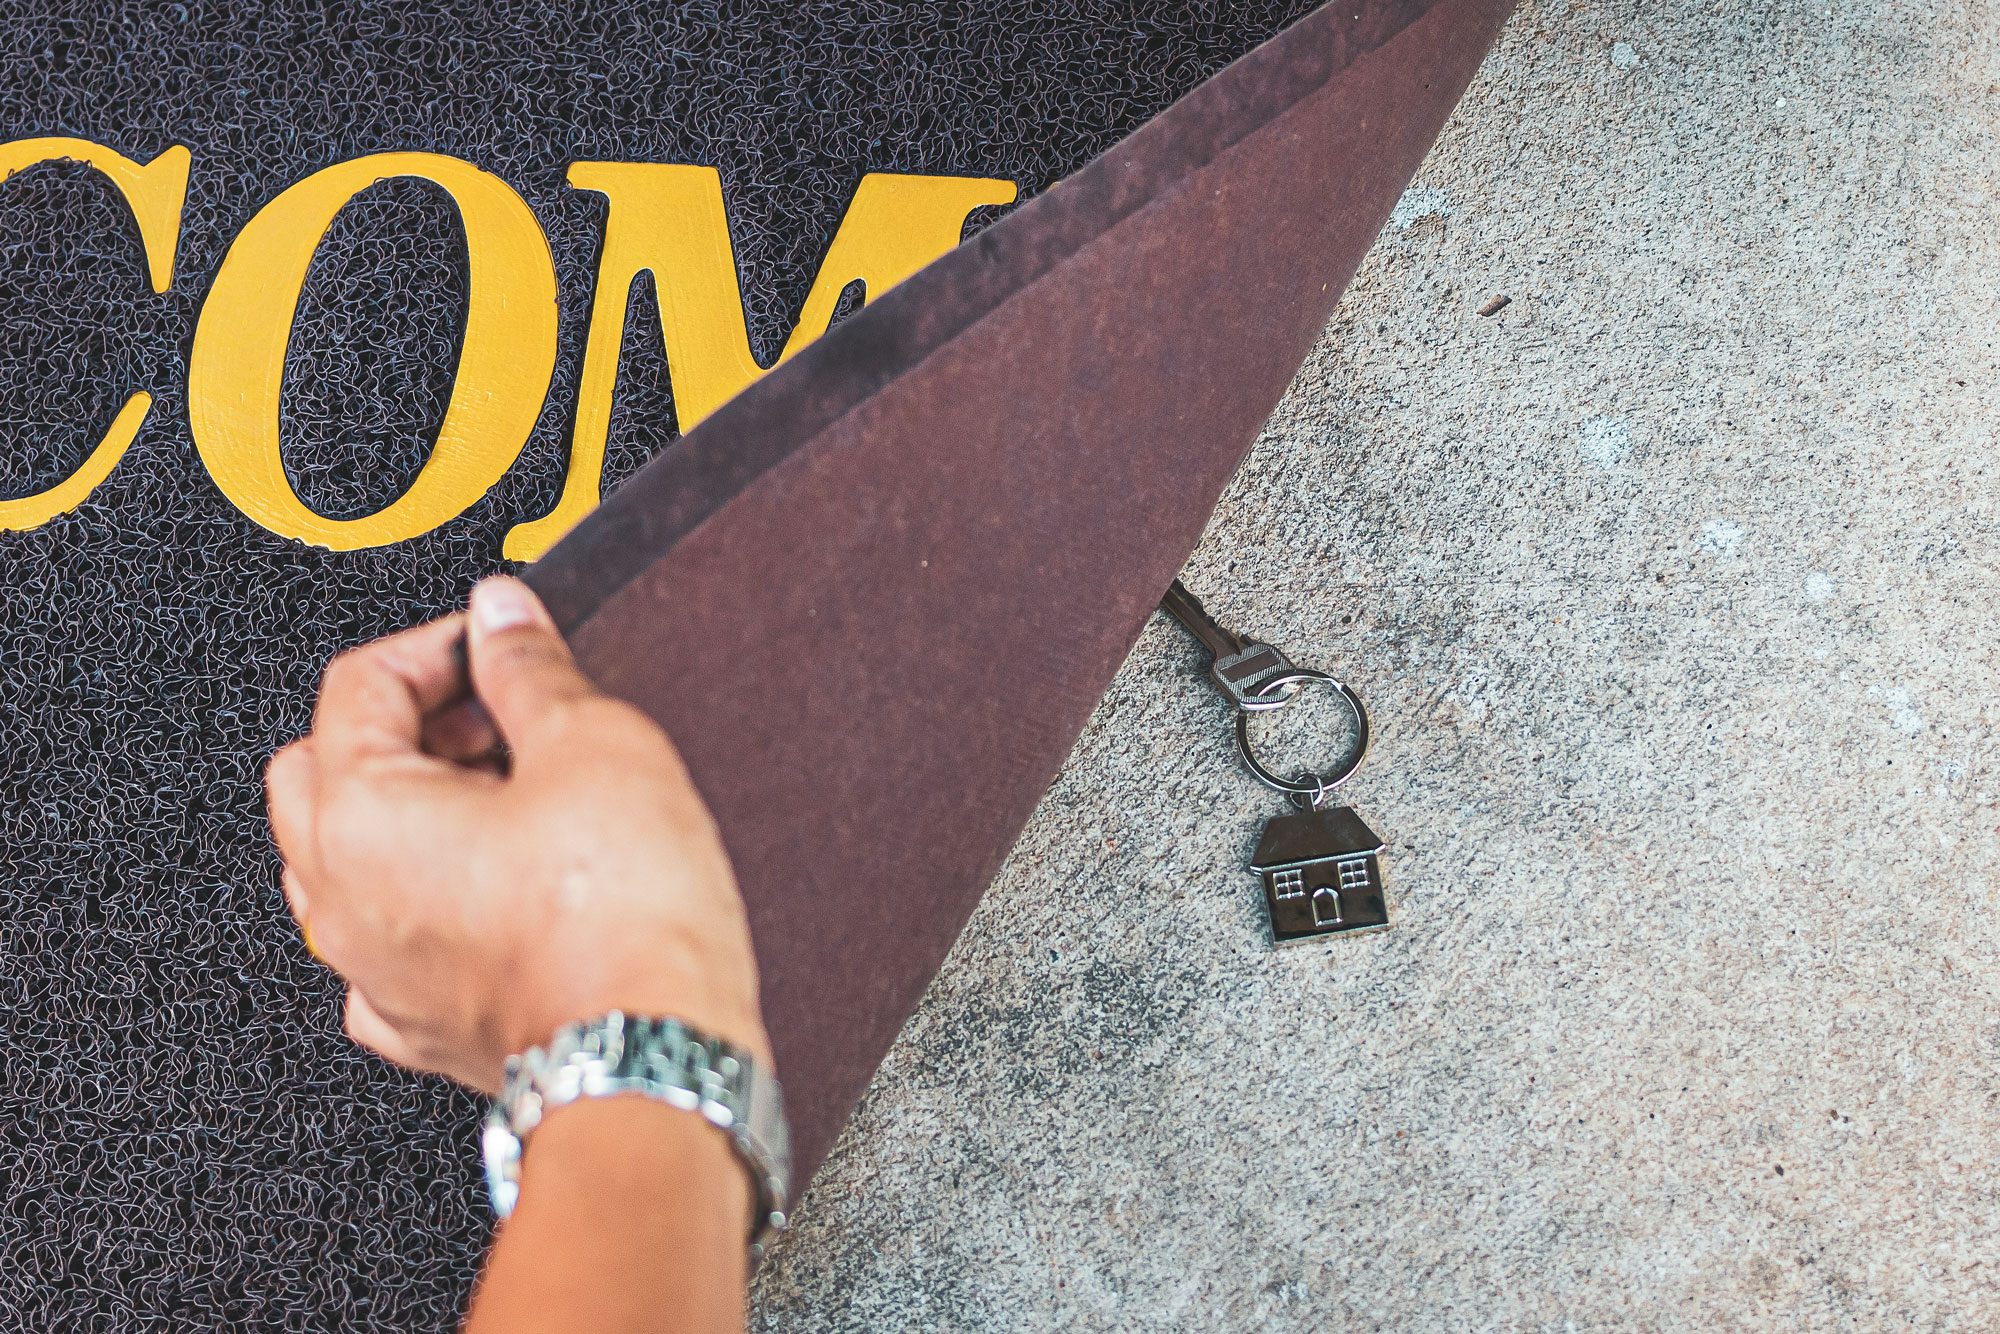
[[1289, 884], [1354, 875]]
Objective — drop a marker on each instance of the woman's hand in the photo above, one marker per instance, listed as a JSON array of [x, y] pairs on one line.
[[482, 871]]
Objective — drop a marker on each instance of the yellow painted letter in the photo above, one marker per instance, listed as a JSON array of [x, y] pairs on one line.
[[504, 363], [154, 193], [670, 220]]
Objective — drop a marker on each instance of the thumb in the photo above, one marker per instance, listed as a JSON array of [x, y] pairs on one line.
[[521, 669]]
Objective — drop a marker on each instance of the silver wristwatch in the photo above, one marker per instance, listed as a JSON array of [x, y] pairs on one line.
[[660, 1058]]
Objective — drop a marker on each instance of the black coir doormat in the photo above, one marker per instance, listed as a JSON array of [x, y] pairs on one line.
[[187, 1141]]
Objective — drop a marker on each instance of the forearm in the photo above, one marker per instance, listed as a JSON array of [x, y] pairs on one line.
[[633, 1216]]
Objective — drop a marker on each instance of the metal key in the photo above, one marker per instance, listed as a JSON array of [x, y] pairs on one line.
[[1249, 673]]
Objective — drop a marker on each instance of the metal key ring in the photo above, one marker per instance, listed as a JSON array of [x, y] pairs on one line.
[[1312, 787]]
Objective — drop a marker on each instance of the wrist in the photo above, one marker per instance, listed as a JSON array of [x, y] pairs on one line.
[[577, 985], [641, 1147], [695, 1074]]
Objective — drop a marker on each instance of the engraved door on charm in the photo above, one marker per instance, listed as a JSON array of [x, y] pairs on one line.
[[1351, 875]]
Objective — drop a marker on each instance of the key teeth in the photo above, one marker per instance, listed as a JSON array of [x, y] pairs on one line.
[[1186, 608]]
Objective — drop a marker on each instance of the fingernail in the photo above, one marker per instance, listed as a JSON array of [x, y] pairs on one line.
[[503, 603]]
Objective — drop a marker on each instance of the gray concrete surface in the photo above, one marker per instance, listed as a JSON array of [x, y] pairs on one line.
[[1671, 590]]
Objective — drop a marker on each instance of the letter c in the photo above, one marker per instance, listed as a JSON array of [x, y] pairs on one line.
[[505, 363], [154, 192]]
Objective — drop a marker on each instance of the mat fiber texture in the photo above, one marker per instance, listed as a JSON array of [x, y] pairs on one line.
[[188, 1140]]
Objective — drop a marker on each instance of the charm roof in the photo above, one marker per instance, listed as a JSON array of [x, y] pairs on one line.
[[1313, 836]]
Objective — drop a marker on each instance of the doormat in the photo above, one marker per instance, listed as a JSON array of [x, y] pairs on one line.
[[189, 1141]]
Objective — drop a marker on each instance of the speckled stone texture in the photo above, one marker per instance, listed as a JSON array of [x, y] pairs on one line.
[[1670, 587]]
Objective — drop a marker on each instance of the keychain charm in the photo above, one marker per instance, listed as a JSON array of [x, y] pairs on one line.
[[1321, 865], [1322, 871]]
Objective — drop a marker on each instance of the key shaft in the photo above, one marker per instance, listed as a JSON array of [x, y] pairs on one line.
[[1186, 608], [1249, 673]]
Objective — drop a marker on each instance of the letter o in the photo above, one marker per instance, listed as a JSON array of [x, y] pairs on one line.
[[505, 362]]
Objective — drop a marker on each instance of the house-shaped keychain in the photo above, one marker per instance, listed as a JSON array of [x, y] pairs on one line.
[[1322, 874]]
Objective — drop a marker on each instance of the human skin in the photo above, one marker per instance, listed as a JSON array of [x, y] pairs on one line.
[[483, 870]]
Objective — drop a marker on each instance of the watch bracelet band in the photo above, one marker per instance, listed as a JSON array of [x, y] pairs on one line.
[[663, 1059]]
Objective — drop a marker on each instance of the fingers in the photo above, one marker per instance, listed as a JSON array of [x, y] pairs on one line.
[[464, 734], [366, 1025], [297, 899], [374, 699], [521, 667], [368, 1028], [291, 790]]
